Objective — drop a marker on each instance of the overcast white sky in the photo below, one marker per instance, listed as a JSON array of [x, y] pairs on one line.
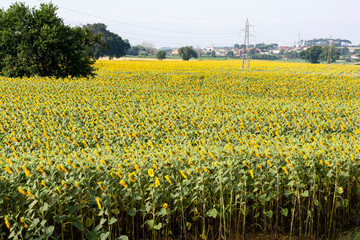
[[173, 23]]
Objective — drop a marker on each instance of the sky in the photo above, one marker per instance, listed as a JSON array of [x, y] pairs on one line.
[[206, 23]]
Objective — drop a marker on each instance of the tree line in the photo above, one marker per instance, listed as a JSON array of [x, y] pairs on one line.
[[315, 54], [37, 42]]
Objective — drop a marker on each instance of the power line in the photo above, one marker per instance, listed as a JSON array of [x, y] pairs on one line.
[[149, 13], [134, 25]]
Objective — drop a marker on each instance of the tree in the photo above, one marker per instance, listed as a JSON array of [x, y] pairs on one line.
[[335, 54], [311, 54], [252, 51], [213, 53], [230, 54], [187, 52], [291, 55], [161, 54], [37, 42], [113, 45], [344, 51], [236, 46], [135, 50]]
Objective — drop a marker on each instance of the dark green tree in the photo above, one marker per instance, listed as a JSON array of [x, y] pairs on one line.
[[135, 50], [236, 46], [230, 54], [37, 42], [252, 51], [335, 54], [291, 55], [311, 54], [344, 51], [213, 53], [114, 45], [161, 55], [187, 52]]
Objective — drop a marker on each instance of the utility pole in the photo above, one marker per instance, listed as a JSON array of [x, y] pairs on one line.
[[246, 45]]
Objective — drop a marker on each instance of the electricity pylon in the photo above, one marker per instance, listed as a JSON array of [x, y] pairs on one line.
[[246, 55], [246, 45]]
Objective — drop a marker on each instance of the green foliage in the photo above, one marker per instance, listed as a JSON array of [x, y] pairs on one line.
[[335, 53], [136, 50], [266, 47], [113, 45], [311, 54], [230, 54], [264, 56], [36, 42], [161, 54], [187, 52], [317, 53], [291, 55], [326, 41], [344, 51]]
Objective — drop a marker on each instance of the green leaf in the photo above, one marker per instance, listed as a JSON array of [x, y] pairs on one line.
[[44, 208], [316, 203], [104, 236], [305, 194], [115, 211], [339, 190], [131, 211], [12, 234], [43, 222], [112, 220], [91, 235], [73, 209], [269, 214], [78, 225], [101, 212], [123, 237], [60, 219], [162, 212], [212, 213], [203, 236], [48, 231], [287, 193], [88, 222], [158, 226], [103, 220], [35, 222], [188, 226], [344, 202], [284, 212], [150, 223], [33, 204]]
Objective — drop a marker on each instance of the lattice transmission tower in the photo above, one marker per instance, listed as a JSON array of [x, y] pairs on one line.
[[246, 55]]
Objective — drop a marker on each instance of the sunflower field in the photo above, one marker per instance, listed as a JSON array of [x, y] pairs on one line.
[[187, 150]]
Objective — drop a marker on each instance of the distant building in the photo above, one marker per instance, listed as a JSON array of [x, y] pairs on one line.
[[175, 52], [355, 56]]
